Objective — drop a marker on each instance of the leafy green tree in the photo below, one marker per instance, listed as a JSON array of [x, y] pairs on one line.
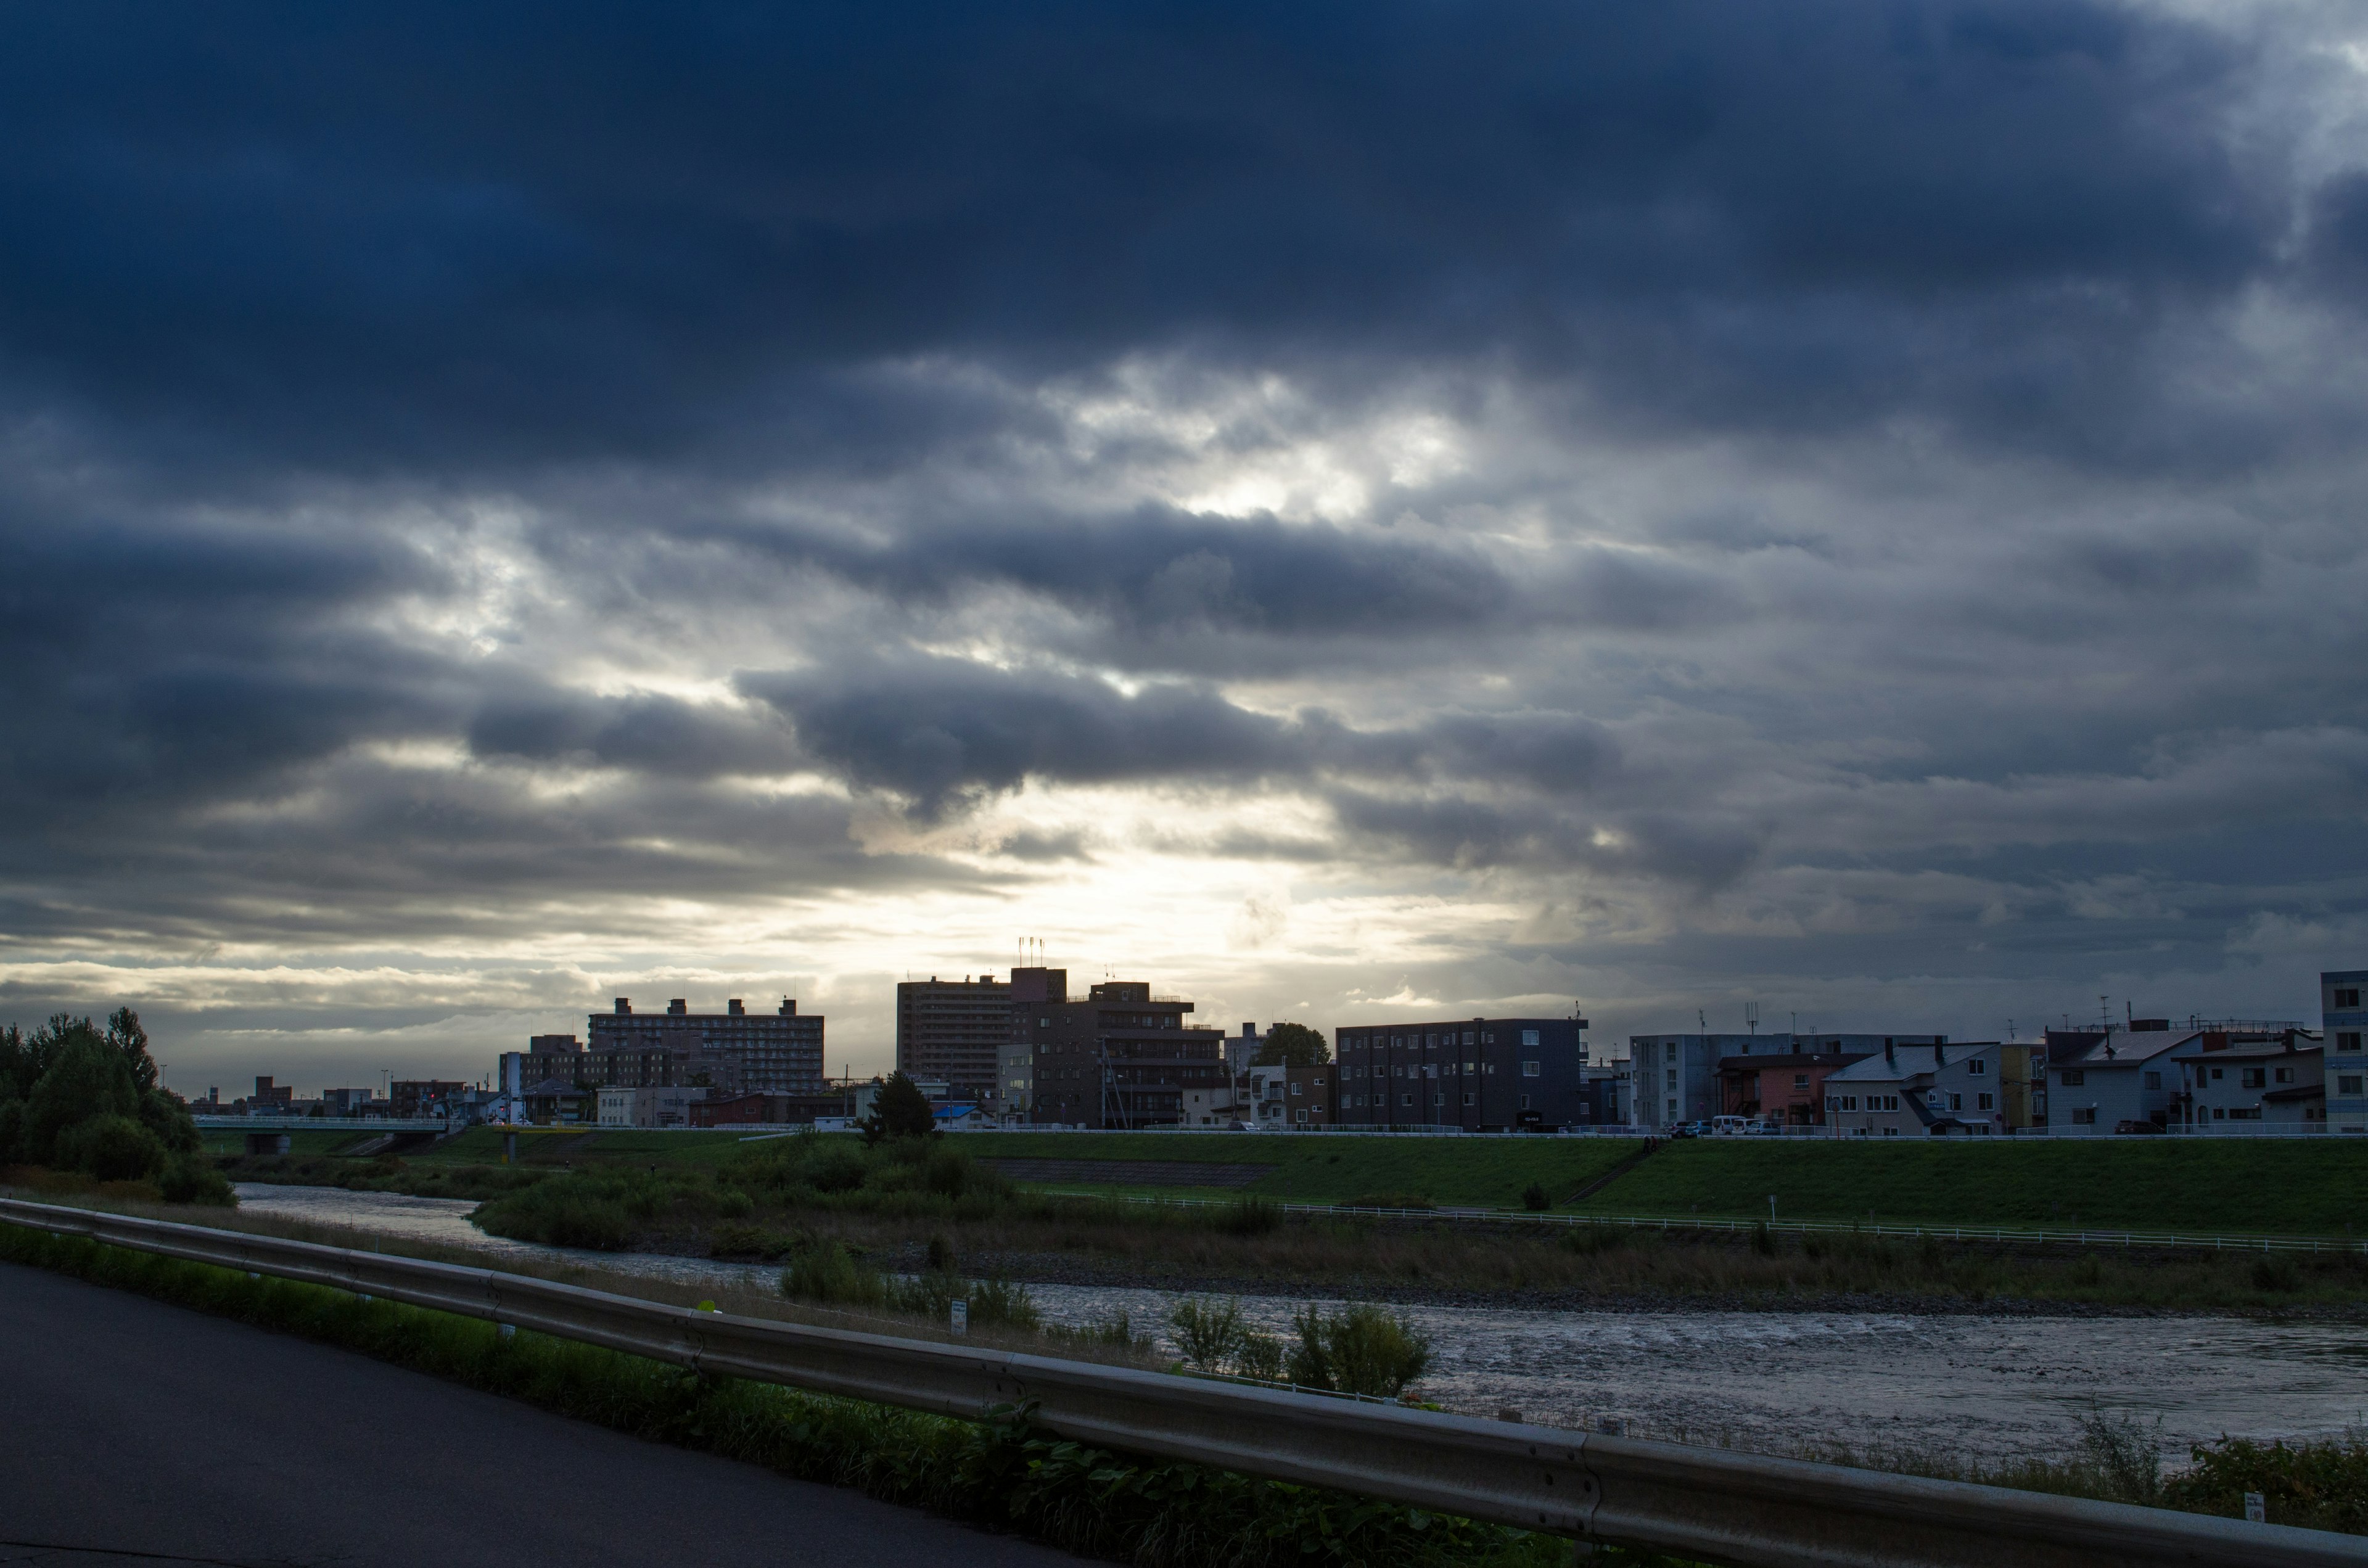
[[86, 1077], [72, 1070], [1292, 1045], [112, 1148], [899, 1111]]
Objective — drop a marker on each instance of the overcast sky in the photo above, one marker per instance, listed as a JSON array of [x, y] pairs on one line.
[[1348, 511]]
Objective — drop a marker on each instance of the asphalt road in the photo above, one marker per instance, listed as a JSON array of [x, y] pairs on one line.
[[135, 1435]]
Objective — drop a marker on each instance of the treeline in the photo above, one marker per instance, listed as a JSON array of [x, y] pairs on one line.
[[78, 1097]]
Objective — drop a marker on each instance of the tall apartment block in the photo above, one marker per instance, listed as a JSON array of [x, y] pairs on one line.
[[2344, 1021], [740, 1051], [956, 1031], [1481, 1074], [1119, 1057]]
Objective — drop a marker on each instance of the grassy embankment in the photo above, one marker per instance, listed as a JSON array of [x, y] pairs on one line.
[[713, 1193], [2284, 1187]]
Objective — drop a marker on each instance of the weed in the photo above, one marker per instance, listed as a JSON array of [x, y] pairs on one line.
[[1208, 1333], [1360, 1350]]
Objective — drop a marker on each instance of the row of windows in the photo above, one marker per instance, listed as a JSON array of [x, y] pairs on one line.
[[1435, 1069], [1431, 1041], [1382, 1102]]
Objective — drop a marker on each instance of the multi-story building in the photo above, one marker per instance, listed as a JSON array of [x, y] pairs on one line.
[[1481, 1075], [1674, 1078], [1120, 1057], [2344, 1021], [2126, 1077], [738, 1051], [1310, 1095], [647, 1107], [1781, 1085], [955, 1031], [1919, 1090], [2239, 1083]]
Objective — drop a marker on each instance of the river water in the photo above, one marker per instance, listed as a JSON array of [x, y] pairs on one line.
[[1989, 1386]]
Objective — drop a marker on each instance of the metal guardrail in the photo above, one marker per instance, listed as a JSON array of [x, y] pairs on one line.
[[1786, 1227], [1706, 1503], [355, 1124]]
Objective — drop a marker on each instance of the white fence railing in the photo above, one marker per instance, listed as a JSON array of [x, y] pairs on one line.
[[1706, 1503]]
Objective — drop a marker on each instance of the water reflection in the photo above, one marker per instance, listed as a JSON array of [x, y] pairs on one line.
[[1992, 1386]]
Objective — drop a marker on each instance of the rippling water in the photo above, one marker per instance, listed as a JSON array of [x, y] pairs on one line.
[[1992, 1386]]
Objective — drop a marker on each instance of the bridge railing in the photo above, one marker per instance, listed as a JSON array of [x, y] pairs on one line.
[[1706, 1503]]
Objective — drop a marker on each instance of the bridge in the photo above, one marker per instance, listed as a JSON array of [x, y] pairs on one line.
[[387, 1134]]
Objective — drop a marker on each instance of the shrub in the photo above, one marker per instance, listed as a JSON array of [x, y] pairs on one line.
[[748, 1241], [2316, 1485], [1208, 1334], [1260, 1357], [111, 1148], [899, 1111], [2277, 1274], [824, 1271], [1534, 1199], [566, 1212], [1362, 1349], [1247, 1216], [942, 1254], [187, 1179]]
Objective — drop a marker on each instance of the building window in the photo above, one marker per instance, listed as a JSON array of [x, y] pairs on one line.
[[1405, 1099], [1470, 1099], [1532, 1069], [1294, 1091], [1673, 1110], [2347, 1084], [1470, 1039], [2252, 1078], [2286, 1074], [1438, 1098], [1673, 1077], [2073, 1077], [1850, 1102], [2085, 1116], [1977, 1067], [2346, 996], [1799, 1080], [1956, 1102], [1986, 1102], [2153, 1080], [2215, 1075], [1525, 1102], [1530, 1038], [2348, 1040]]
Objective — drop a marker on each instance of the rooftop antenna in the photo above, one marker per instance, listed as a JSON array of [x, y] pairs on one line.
[[1752, 1015], [1701, 1022]]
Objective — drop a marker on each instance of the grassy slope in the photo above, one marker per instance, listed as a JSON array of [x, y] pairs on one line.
[[2291, 1186], [1309, 1168], [1318, 1168]]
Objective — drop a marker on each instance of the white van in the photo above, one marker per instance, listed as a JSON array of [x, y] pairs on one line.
[[1728, 1126]]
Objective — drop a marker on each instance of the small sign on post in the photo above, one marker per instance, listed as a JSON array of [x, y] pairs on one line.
[[960, 1313], [2257, 1509]]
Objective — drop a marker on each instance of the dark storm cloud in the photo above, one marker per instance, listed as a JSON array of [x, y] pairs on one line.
[[471, 234], [646, 733]]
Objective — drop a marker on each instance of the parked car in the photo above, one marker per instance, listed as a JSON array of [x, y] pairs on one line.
[[1728, 1126], [1766, 1127], [1690, 1130], [2137, 1126]]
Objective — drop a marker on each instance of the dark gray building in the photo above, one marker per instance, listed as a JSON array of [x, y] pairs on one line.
[[1120, 1057], [955, 1031], [1481, 1075], [736, 1051]]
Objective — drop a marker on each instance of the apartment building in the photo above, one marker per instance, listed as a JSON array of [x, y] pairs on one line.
[[1481, 1075], [1119, 1057], [956, 1031], [2237, 1083], [736, 1051], [2343, 1021]]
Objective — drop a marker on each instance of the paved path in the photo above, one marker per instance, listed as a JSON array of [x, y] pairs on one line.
[[145, 1435]]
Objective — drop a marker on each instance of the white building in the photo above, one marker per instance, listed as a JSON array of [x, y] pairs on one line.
[[1673, 1078], [2128, 1077], [2344, 1022], [2233, 1084], [1920, 1091]]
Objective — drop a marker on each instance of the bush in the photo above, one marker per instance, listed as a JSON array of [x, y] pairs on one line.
[[188, 1179], [2320, 1487], [1247, 1216], [1362, 1349], [1208, 1334], [899, 1111], [565, 1211], [111, 1148], [826, 1272], [1534, 1199]]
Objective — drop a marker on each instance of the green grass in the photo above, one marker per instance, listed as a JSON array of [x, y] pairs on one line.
[[1337, 1168], [2278, 1186]]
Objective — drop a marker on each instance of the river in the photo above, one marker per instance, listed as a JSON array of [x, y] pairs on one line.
[[1991, 1386]]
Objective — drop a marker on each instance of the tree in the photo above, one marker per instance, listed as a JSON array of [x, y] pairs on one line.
[[899, 1111], [77, 1072], [1292, 1045]]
